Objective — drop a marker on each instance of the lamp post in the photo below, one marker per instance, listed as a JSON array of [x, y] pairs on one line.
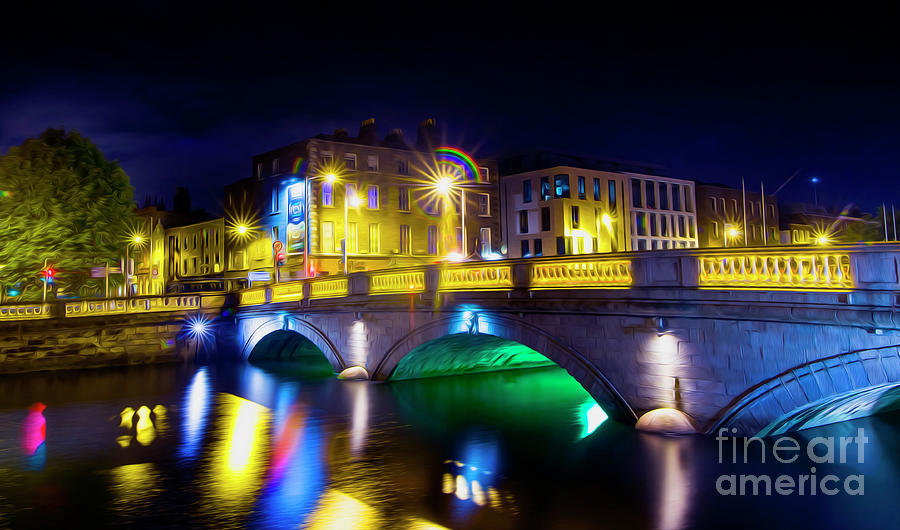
[[137, 240], [332, 178], [444, 185]]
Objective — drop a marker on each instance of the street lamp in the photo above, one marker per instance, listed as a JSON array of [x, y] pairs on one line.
[[731, 232], [815, 180], [332, 178], [444, 185], [136, 240]]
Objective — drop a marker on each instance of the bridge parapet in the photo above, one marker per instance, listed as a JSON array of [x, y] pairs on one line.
[[870, 272]]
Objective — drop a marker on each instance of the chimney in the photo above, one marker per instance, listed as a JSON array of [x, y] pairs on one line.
[[367, 133], [427, 138], [340, 134], [395, 137]]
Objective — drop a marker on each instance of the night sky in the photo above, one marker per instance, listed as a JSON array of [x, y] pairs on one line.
[[184, 97]]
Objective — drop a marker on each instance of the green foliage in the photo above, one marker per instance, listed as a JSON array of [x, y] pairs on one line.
[[66, 206]]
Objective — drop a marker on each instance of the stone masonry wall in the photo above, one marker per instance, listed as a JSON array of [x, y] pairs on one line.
[[92, 342]]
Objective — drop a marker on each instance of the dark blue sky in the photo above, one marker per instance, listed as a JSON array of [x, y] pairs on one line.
[[186, 97]]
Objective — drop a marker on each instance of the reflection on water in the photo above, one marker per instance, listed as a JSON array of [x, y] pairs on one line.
[[230, 446]]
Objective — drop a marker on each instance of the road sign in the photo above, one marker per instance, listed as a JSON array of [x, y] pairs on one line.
[[278, 245]]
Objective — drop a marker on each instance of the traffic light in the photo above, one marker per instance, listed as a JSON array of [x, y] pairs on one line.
[[282, 259], [48, 274]]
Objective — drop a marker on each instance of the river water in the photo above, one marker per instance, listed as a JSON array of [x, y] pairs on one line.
[[234, 445]]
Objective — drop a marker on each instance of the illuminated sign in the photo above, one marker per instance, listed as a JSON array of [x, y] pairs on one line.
[[296, 228]]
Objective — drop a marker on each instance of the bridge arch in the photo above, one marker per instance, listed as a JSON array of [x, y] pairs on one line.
[[835, 388], [518, 331], [253, 331]]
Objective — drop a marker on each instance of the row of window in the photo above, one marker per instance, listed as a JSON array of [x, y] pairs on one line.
[[372, 199], [328, 242], [663, 225], [561, 190], [660, 244], [660, 195], [754, 207], [575, 211], [756, 231]]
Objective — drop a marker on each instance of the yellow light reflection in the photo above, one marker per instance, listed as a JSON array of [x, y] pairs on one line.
[[448, 485], [417, 523], [133, 487], [462, 488], [236, 463], [126, 415], [145, 431], [339, 510]]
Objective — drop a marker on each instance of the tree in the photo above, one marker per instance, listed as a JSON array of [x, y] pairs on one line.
[[63, 205]]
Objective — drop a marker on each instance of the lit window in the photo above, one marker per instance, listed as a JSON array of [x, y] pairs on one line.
[[485, 174], [372, 192], [611, 197], [484, 204], [545, 188], [374, 238], [328, 237], [526, 190], [581, 190], [403, 199], [485, 239], [404, 239], [352, 238], [523, 222], [561, 187], [432, 240], [327, 194]]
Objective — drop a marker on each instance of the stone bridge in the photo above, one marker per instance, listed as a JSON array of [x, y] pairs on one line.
[[97, 333], [752, 339]]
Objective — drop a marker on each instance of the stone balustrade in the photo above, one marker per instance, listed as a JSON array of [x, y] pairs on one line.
[[871, 268], [87, 308], [838, 269]]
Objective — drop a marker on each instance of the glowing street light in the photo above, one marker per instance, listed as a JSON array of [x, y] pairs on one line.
[[444, 185], [822, 240], [731, 233]]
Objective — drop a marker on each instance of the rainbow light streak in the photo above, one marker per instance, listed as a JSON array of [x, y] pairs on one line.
[[297, 473], [299, 166], [455, 157], [34, 429]]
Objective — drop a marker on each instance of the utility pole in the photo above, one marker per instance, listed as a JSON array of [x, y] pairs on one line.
[[744, 204], [762, 202], [884, 215]]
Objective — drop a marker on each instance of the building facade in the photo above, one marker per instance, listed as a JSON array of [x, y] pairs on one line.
[[195, 251], [568, 210], [373, 199], [721, 212]]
